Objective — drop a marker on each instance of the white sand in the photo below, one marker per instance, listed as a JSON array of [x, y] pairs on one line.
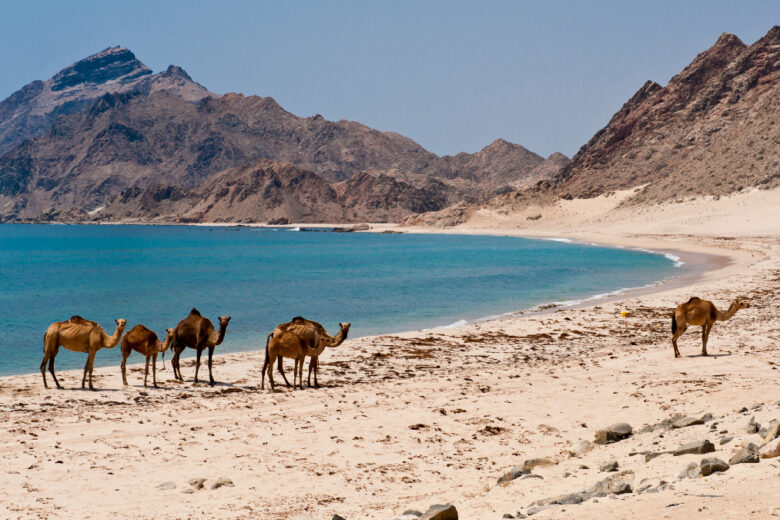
[[418, 418]]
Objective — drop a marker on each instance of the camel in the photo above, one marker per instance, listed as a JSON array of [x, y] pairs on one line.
[[197, 332], [77, 335], [296, 341], [314, 362], [144, 341], [700, 312]]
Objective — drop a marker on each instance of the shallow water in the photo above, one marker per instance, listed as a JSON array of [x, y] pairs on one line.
[[380, 283]]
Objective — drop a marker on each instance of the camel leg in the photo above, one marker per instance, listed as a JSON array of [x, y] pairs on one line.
[[154, 370], [270, 370], [676, 335], [146, 374], [43, 368], [316, 369], [88, 368], [705, 336], [197, 362], [211, 354], [281, 371], [51, 367], [124, 368]]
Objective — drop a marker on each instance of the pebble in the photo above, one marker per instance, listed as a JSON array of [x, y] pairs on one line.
[[725, 440], [167, 485], [223, 481], [512, 474], [197, 483], [691, 421], [581, 448], [611, 465]]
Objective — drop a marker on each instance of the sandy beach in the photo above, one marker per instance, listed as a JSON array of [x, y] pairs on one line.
[[408, 420]]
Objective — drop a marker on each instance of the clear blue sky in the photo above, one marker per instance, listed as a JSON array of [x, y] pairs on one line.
[[452, 75]]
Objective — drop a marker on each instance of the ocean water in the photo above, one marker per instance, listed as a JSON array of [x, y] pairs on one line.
[[381, 283]]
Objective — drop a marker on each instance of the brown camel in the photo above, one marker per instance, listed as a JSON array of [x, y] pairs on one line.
[[77, 335], [314, 362], [700, 312], [197, 332], [297, 341], [145, 342]]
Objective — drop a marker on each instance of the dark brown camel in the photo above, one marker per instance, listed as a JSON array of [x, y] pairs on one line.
[[700, 312], [145, 342], [197, 332]]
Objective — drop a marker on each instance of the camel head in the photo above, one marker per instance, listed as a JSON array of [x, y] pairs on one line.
[[170, 340], [121, 324], [741, 304], [223, 321], [344, 328]]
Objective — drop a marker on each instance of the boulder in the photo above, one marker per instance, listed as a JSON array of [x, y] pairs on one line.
[[772, 433], [613, 433], [581, 448], [748, 454], [440, 512], [691, 421], [698, 447], [712, 465], [771, 449]]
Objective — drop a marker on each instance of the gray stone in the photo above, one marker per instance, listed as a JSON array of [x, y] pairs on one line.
[[743, 409], [698, 447], [440, 512], [690, 471], [748, 454], [512, 474], [570, 499], [712, 465], [535, 509], [613, 433], [753, 426], [773, 432], [413, 512], [725, 440], [222, 482], [337, 517], [650, 455], [612, 465], [167, 485], [613, 485], [691, 421], [526, 477]]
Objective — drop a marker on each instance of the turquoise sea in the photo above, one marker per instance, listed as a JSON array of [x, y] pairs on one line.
[[381, 283]]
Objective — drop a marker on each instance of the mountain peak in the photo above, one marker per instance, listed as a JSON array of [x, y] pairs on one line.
[[111, 64], [175, 70], [728, 40]]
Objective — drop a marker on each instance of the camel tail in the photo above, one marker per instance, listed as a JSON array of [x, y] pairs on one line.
[[674, 323]]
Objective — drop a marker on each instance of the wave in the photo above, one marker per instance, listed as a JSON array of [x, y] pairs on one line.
[[675, 259], [552, 239], [296, 228]]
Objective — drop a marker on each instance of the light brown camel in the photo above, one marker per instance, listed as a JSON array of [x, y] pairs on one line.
[[197, 332], [700, 312], [145, 342], [77, 335], [297, 341], [314, 361]]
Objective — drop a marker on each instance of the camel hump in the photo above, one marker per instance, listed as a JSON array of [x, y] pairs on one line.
[[693, 299], [298, 319], [195, 311]]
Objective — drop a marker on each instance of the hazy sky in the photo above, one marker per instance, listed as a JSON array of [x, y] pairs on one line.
[[454, 76]]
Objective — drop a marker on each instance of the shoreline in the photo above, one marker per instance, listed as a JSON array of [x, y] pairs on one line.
[[698, 264]]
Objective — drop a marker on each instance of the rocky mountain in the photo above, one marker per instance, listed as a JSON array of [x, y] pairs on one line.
[[713, 129], [163, 131], [269, 191], [31, 111]]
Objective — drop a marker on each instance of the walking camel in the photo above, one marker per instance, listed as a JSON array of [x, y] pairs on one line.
[[197, 332], [314, 361], [700, 312], [145, 342], [77, 335], [297, 341]]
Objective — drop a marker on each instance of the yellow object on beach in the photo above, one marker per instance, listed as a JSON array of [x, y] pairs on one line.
[[625, 314]]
